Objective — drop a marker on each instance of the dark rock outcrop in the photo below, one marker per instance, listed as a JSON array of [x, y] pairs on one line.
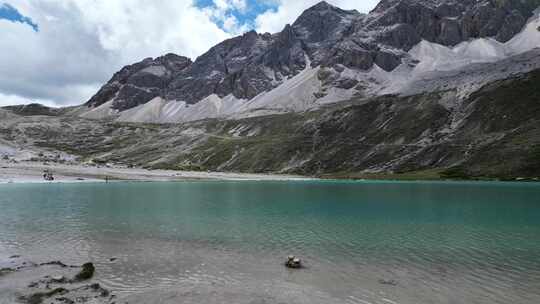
[[57, 288], [86, 273], [140, 82], [450, 22], [38, 297]]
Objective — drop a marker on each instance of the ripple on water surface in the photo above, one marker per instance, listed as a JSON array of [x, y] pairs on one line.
[[362, 242]]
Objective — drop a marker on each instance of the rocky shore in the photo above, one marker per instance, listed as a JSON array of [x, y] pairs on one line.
[[52, 282]]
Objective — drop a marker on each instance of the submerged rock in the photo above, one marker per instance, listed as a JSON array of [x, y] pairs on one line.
[[388, 282], [86, 273], [38, 297], [56, 289], [97, 288], [57, 263], [93, 293]]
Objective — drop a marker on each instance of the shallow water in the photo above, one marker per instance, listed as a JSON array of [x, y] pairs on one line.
[[225, 242]]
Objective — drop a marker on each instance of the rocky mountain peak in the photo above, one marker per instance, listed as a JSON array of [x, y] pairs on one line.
[[140, 82], [323, 21], [323, 8], [323, 36]]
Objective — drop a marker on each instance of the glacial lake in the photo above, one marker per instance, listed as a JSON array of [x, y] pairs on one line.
[[226, 242]]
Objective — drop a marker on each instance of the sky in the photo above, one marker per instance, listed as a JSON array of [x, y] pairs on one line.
[[60, 52]]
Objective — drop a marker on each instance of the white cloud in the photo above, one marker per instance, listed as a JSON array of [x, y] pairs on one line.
[[8, 100], [142, 28], [222, 13], [231, 25], [240, 5], [81, 43]]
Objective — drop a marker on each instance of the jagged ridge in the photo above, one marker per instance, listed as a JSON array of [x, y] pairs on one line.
[[323, 36]]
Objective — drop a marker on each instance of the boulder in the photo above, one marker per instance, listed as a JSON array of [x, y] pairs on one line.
[[388, 282], [86, 273], [293, 262]]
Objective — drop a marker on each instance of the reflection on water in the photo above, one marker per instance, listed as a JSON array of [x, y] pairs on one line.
[[439, 242]]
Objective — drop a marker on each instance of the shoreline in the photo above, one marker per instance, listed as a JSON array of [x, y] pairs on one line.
[[32, 172], [432, 175]]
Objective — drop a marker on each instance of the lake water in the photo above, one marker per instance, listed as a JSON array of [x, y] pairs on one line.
[[225, 242]]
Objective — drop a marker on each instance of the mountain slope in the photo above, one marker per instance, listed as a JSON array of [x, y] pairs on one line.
[[493, 133]]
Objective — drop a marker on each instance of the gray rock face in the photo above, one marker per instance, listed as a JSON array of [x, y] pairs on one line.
[[243, 66], [140, 82], [450, 22], [323, 35]]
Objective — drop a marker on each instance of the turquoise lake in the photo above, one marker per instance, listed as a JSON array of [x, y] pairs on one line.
[[225, 242]]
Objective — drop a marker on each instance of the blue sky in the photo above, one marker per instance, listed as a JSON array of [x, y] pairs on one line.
[[245, 16], [10, 13]]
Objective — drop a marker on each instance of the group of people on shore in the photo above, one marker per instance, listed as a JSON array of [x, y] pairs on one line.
[[48, 175]]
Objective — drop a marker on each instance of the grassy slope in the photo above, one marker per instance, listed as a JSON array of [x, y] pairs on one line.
[[510, 111]]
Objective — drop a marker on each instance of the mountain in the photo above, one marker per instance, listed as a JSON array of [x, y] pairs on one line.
[[493, 133], [327, 55], [416, 89]]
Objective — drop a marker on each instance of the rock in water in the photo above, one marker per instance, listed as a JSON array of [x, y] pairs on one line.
[[38, 297], [58, 279], [293, 262], [388, 282], [86, 273]]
